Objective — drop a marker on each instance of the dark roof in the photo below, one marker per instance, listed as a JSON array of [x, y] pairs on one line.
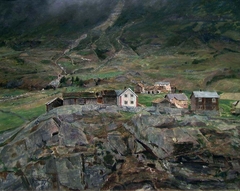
[[109, 93], [55, 99], [179, 96], [205, 94], [79, 95]]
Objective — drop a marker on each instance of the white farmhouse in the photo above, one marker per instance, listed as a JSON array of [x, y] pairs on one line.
[[127, 98]]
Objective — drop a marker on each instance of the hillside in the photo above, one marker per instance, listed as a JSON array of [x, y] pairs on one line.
[[51, 47], [193, 44]]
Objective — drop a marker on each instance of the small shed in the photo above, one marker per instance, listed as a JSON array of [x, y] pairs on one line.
[[56, 102], [236, 108], [79, 98], [139, 88], [204, 100], [127, 98], [179, 100]]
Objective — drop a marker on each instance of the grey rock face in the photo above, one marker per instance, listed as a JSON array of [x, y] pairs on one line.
[[95, 147], [156, 132], [70, 173], [116, 143], [11, 182], [71, 136]]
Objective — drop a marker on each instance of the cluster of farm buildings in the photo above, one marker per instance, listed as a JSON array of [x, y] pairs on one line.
[[199, 100]]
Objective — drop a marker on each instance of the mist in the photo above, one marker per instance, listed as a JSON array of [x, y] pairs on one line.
[[27, 15]]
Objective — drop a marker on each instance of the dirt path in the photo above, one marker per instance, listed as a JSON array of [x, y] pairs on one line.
[[113, 17], [108, 23]]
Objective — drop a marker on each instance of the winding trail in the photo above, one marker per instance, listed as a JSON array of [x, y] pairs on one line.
[[102, 27], [113, 17]]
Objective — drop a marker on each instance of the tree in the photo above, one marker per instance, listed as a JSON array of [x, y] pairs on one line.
[[81, 82], [63, 80], [72, 80]]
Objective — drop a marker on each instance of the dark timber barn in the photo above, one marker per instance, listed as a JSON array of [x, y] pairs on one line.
[[203, 100], [79, 98]]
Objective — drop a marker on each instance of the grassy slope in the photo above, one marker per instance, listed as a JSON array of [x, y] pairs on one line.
[[23, 108], [161, 42], [190, 40]]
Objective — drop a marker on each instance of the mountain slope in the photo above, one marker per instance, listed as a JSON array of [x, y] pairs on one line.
[[195, 41]]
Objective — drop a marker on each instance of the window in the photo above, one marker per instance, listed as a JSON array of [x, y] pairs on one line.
[[213, 100], [199, 100], [131, 95], [125, 95], [125, 102], [132, 102]]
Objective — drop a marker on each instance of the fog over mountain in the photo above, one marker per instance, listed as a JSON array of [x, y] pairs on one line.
[[57, 17], [27, 16]]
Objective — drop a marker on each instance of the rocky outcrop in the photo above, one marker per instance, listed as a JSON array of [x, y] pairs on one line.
[[98, 147]]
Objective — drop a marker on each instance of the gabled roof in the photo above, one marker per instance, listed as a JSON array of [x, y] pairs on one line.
[[140, 84], [162, 83], [205, 94], [55, 99], [179, 96], [120, 92]]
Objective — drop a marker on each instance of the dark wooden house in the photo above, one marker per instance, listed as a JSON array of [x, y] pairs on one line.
[[204, 100], [79, 98], [57, 102]]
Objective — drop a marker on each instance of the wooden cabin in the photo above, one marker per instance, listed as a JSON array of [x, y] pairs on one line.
[[204, 100], [79, 98], [139, 88], [179, 100], [56, 102]]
